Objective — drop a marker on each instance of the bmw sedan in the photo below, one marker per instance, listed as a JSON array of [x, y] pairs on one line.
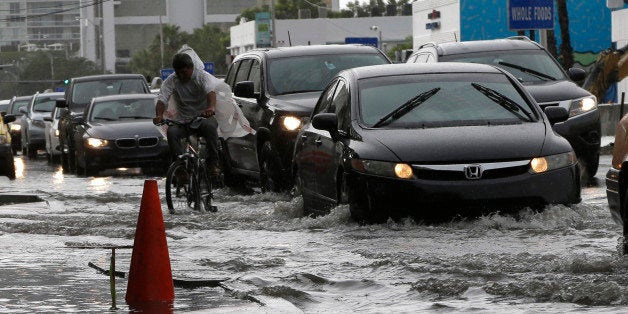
[[427, 140], [118, 131]]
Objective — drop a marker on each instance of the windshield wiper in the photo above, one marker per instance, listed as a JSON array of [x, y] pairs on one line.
[[298, 91], [538, 74], [504, 101], [134, 117], [406, 107]]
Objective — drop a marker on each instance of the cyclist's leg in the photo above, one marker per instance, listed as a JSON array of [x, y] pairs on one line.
[[209, 130], [175, 135]]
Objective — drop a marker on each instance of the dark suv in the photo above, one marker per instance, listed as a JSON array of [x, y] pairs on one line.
[[277, 89], [543, 77], [79, 94]]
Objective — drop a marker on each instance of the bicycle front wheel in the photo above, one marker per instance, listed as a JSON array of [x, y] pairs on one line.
[[179, 191]]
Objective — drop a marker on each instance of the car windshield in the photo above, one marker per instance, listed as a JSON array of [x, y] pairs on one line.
[[122, 109], [313, 73], [85, 91], [4, 107], [45, 103], [15, 108], [526, 65], [454, 99]]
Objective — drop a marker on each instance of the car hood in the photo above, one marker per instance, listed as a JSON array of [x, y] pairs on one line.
[[555, 91], [39, 115], [465, 143], [303, 102], [123, 129]]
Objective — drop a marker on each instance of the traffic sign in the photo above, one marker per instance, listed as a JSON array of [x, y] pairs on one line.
[[165, 73], [209, 68], [369, 41], [530, 14]]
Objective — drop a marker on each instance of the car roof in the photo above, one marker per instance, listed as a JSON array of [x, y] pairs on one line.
[[421, 68], [105, 77], [451, 48], [124, 96], [282, 52], [50, 94]]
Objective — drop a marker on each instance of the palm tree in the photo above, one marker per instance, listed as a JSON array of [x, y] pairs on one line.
[[566, 51]]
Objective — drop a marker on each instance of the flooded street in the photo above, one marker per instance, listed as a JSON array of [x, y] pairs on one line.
[[559, 260]]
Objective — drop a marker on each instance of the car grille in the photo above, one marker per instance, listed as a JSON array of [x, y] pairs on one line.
[[456, 172], [139, 142]]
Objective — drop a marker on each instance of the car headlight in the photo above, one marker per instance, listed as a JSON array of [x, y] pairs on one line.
[[16, 127], [582, 105], [291, 123], [3, 139], [383, 168], [547, 163], [57, 133], [95, 142]]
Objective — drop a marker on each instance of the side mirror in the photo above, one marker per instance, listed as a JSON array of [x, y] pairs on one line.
[[245, 89], [327, 122], [8, 118], [78, 120], [22, 109], [49, 119], [556, 114], [61, 103], [576, 74]]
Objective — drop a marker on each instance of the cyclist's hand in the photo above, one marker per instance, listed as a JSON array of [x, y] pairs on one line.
[[208, 112], [157, 120]]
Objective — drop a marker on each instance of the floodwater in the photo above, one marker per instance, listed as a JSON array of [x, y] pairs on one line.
[[559, 260]]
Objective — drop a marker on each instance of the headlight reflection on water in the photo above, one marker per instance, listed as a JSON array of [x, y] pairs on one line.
[[57, 177], [100, 184], [19, 167]]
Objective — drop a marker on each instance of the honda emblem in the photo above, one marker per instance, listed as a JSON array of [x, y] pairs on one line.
[[473, 172]]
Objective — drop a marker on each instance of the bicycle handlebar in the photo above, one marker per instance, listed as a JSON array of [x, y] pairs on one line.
[[169, 122]]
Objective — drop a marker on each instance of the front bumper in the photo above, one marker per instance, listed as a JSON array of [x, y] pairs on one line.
[[115, 157], [434, 197], [613, 195]]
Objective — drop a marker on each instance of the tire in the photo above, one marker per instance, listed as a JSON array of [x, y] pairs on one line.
[[270, 170], [8, 168], [230, 178], [203, 191], [590, 165], [31, 152], [178, 194], [80, 171]]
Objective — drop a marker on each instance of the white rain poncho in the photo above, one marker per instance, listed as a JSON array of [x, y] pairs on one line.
[[231, 120]]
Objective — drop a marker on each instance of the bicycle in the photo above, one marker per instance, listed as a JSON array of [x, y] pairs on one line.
[[187, 181]]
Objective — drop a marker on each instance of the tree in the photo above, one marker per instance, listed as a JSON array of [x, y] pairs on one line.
[[407, 44], [566, 51]]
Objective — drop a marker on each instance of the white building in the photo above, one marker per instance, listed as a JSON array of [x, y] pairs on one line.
[[389, 31]]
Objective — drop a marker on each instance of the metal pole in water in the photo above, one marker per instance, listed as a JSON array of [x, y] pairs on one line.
[[112, 278]]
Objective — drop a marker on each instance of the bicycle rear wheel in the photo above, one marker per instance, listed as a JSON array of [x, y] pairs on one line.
[[204, 194], [179, 191]]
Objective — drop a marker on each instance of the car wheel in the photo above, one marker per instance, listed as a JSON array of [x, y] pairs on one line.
[[14, 149], [31, 152], [308, 203], [270, 169], [230, 178], [342, 194], [8, 168], [589, 166]]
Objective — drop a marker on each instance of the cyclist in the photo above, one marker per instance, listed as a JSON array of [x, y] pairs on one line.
[[195, 95]]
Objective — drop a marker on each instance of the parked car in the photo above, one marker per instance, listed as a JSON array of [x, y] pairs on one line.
[[617, 180], [16, 126], [33, 125], [118, 131], [7, 167], [277, 89], [427, 139], [543, 77], [79, 94], [51, 132]]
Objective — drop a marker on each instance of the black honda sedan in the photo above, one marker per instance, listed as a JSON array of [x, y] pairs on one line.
[[425, 140], [118, 131]]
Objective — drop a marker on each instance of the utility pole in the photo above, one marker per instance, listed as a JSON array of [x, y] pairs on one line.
[[273, 37]]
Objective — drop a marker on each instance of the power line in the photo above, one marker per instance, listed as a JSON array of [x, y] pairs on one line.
[[34, 16]]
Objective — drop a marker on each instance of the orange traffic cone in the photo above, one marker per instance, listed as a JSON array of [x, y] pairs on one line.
[[150, 276]]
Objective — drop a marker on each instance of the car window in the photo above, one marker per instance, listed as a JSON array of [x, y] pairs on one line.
[[243, 71], [313, 73], [421, 58], [325, 99], [15, 109], [340, 105], [84, 91], [255, 75], [123, 109], [535, 60], [456, 100], [45, 103], [412, 59], [430, 58], [232, 72]]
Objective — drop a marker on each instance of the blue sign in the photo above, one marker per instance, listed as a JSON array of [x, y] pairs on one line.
[[59, 89], [368, 41], [530, 14], [209, 67], [165, 73]]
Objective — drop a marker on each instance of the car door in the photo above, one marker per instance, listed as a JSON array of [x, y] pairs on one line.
[[329, 150], [242, 150], [306, 158]]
